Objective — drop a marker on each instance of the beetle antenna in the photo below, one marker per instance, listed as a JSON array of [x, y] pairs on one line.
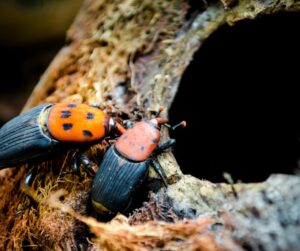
[[160, 171], [181, 124], [167, 125]]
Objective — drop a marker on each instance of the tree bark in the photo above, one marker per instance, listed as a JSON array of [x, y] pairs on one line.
[[128, 57]]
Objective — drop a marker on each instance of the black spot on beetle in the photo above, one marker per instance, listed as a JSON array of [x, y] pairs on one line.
[[67, 126], [90, 115], [154, 140], [72, 105], [142, 148], [65, 114], [87, 133]]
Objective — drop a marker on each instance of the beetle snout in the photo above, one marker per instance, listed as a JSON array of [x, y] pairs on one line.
[[159, 121]]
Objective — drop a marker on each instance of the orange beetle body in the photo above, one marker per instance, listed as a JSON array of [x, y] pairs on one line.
[[50, 128], [125, 166], [77, 123], [138, 143]]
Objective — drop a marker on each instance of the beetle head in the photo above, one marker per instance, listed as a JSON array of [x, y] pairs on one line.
[[115, 127]]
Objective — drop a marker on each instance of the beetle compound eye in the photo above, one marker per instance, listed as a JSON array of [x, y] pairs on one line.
[[115, 127], [111, 124]]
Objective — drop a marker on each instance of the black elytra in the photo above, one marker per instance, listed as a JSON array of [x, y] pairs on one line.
[[117, 181], [19, 147]]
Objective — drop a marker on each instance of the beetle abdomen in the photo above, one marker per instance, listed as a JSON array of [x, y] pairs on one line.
[[116, 180], [22, 138]]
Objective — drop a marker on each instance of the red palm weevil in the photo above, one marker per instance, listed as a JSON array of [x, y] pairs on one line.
[[51, 128], [125, 165]]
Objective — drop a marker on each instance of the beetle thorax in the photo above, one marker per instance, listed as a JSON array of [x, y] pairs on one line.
[[77, 123], [138, 143]]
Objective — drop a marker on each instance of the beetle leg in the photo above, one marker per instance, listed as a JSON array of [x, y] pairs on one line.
[[86, 163], [26, 185], [76, 166], [78, 159], [159, 170], [28, 190], [81, 158], [164, 146], [29, 178]]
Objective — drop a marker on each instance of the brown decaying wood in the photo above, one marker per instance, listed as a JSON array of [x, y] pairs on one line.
[[128, 57]]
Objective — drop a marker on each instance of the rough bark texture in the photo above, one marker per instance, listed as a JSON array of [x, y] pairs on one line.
[[128, 57]]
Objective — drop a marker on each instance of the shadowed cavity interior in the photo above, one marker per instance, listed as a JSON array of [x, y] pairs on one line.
[[239, 97]]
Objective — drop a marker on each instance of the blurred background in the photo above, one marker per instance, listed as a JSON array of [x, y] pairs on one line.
[[31, 34]]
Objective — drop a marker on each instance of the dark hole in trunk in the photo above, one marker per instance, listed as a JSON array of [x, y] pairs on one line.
[[240, 99]]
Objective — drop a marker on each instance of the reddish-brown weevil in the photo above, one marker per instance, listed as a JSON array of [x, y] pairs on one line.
[[125, 165], [52, 128]]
